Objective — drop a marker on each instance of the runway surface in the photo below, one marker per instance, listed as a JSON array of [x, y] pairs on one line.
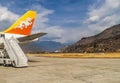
[[63, 70]]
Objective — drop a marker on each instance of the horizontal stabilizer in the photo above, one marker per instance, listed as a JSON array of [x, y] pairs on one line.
[[31, 37]]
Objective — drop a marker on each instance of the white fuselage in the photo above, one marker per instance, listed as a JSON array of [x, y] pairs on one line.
[[9, 35]]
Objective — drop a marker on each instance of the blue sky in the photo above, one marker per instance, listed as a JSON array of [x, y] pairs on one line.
[[65, 21]]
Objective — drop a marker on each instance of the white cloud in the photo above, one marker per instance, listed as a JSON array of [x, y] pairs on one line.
[[71, 20], [41, 19], [74, 35], [5, 14], [107, 8], [42, 26], [54, 31], [104, 16], [6, 18], [92, 19]]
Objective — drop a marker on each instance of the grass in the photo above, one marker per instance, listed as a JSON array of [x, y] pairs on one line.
[[78, 55]]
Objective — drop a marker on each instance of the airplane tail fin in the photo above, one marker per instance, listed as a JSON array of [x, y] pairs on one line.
[[23, 25]]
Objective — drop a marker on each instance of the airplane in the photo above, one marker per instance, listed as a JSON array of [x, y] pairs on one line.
[[20, 32], [21, 29]]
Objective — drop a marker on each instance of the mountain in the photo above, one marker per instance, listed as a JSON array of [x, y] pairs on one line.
[[42, 46], [106, 41]]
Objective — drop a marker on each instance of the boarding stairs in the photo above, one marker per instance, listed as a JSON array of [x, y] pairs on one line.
[[13, 52]]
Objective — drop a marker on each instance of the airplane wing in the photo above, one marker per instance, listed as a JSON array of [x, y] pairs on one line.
[[30, 38]]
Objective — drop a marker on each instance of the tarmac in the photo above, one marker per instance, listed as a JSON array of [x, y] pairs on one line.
[[63, 70]]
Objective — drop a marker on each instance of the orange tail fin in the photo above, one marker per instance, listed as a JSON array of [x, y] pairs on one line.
[[23, 25]]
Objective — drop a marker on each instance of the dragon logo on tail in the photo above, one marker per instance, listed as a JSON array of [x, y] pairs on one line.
[[25, 24]]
